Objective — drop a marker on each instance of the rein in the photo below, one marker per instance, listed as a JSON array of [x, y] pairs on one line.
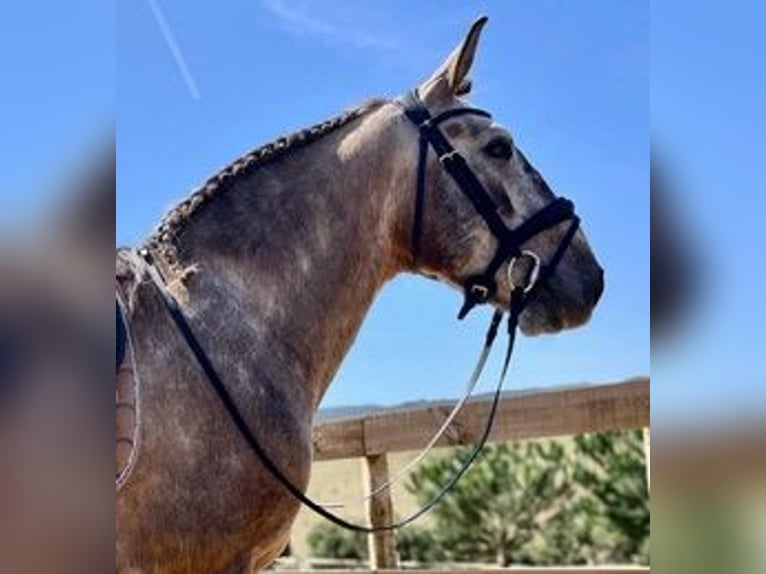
[[478, 290], [255, 445]]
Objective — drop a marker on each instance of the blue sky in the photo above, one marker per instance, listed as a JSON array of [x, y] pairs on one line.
[[57, 100], [707, 96], [569, 79]]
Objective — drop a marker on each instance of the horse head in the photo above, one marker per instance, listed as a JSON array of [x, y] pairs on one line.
[[454, 238]]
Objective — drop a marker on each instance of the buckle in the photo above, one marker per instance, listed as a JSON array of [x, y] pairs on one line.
[[475, 293], [531, 277], [448, 156], [480, 292]]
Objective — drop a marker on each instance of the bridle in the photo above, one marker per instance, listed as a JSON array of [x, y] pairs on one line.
[[478, 290]]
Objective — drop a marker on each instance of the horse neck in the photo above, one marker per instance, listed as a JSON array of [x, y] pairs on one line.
[[288, 262]]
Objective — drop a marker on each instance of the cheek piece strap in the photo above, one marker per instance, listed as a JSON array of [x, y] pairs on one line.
[[480, 288]]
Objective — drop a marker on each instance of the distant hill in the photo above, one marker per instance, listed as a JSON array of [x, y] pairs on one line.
[[332, 414], [337, 413]]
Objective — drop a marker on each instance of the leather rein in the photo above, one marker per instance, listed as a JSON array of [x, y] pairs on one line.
[[478, 289]]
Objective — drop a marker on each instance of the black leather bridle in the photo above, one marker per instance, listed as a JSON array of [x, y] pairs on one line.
[[478, 289]]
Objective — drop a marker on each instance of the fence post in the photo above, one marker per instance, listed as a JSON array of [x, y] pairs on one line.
[[648, 456], [382, 545]]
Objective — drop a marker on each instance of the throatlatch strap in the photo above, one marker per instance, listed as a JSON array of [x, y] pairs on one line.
[[420, 198]]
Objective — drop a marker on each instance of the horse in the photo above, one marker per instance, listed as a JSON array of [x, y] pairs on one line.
[[274, 261]]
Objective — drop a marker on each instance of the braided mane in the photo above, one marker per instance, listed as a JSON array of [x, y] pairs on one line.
[[245, 165]]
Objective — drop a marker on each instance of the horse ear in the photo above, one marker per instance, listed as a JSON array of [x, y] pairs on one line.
[[452, 76]]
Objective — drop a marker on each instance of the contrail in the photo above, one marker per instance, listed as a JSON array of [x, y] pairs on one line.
[[174, 49]]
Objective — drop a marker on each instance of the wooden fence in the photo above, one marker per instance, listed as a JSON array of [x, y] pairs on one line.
[[544, 414]]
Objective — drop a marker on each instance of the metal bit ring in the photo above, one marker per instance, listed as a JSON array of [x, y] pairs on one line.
[[533, 275]]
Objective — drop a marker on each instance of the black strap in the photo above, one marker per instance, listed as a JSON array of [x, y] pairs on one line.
[[479, 288], [252, 441], [419, 115], [122, 335]]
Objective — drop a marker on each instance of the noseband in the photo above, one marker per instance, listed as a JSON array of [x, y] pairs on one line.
[[480, 288]]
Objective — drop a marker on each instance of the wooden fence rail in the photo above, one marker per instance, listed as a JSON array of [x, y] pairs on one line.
[[543, 414], [590, 408], [510, 570]]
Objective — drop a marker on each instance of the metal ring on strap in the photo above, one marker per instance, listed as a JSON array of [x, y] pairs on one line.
[[532, 276]]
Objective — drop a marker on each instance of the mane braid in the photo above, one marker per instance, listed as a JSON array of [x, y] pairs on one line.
[[171, 224]]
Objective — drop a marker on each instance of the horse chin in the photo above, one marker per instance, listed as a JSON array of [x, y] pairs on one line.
[[548, 315]]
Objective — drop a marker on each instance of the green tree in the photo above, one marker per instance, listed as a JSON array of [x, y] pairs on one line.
[[329, 541], [417, 544], [575, 536], [497, 508], [554, 502], [413, 544], [611, 469], [545, 503]]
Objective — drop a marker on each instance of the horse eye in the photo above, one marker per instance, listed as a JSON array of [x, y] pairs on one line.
[[499, 148]]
